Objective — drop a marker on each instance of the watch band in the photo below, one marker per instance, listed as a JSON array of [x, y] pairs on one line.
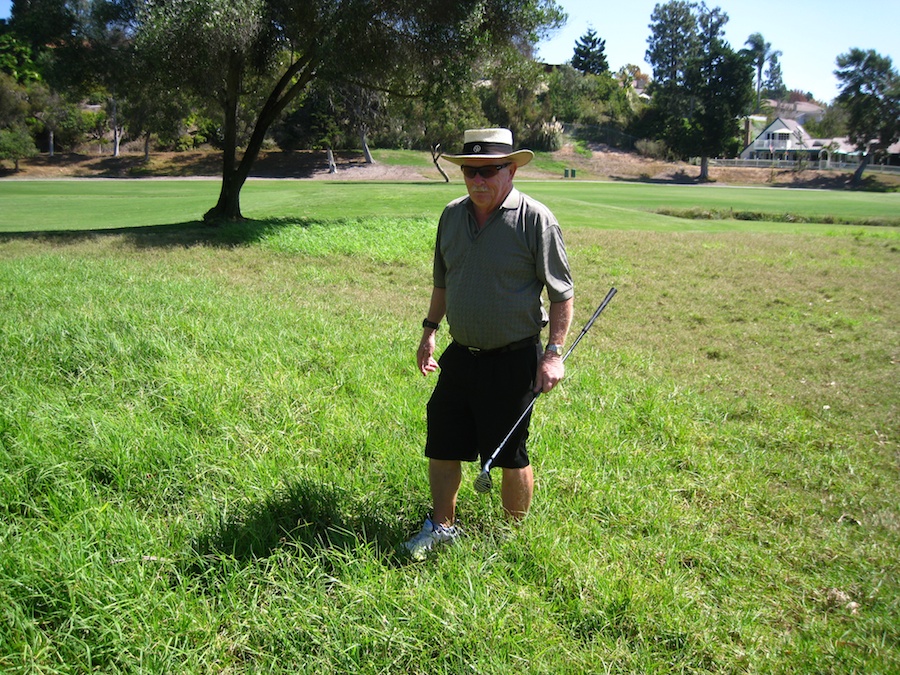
[[430, 324], [556, 349]]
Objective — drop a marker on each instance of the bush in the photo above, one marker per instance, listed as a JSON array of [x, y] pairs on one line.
[[653, 149], [547, 137]]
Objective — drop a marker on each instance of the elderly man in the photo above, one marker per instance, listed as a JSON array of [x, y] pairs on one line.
[[496, 251]]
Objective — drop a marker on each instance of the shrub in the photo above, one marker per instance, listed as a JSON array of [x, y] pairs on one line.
[[653, 149]]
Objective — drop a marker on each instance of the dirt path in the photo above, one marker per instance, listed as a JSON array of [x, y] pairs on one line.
[[603, 164]]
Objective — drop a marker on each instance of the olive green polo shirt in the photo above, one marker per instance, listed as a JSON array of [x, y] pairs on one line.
[[494, 277]]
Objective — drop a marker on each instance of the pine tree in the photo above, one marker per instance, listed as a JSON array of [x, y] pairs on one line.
[[590, 54]]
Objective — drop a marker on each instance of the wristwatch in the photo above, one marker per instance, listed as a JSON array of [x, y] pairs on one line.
[[430, 324], [556, 349]]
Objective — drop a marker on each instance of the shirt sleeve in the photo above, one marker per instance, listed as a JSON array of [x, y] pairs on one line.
[[439, 268], [553, 262]]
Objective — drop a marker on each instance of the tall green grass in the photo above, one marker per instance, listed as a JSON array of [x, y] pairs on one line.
[[210, 453]]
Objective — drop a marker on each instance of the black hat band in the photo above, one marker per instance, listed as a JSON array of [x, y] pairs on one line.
[[480, 148]]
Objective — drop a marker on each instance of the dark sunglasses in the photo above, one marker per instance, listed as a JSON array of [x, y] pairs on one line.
[[484, 171]]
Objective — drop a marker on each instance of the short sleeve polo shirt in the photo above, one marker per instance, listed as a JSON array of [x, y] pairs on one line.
[[494, 277]]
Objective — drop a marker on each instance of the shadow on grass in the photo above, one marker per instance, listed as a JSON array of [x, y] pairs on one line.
[[312, 516], [175, 235], [680, 177], [781, 179]]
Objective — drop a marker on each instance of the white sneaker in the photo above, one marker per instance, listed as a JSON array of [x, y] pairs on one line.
[[429, 536]]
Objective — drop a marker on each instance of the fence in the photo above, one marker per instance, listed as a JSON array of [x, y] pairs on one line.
[[802, 164]]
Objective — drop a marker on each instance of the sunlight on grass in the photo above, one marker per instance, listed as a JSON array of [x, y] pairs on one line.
[[211, 450]]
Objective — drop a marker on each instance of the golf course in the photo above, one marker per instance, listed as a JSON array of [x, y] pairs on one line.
[[211, 436]]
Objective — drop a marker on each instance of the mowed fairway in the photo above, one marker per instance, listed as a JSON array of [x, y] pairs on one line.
[[42, 205], [211, 439]]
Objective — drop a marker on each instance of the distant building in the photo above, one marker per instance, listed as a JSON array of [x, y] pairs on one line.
[[800, 111], [786, 139]]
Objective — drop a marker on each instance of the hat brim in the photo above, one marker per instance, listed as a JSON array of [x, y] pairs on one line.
[[519, 158]]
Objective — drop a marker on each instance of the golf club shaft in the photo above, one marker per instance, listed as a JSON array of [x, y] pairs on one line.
[[587, 327]]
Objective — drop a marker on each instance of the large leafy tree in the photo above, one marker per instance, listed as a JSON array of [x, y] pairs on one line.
[[590, 54], [701, 85], [422, 48], [870, 94]]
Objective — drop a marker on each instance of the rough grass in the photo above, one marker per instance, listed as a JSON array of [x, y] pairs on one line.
[[210, 451]]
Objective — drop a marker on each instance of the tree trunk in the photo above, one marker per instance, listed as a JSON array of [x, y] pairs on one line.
[[332, 167], [436, 153], [229, 205], [704, 169], [51, 142], [858, 174], [365, 146], [117, 136], [234, 175], [147, 147]]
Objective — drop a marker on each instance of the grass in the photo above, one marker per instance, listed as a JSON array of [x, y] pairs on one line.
[[210, 443], [75, 205]]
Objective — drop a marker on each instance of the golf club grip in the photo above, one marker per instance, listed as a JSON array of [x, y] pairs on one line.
[[587, 327]]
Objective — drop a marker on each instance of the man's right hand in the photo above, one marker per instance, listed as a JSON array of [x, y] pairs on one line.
[[425, 355]]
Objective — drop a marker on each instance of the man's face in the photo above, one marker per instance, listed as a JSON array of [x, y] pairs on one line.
[[488, 193]]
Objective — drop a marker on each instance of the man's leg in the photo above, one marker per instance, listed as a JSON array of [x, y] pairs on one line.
[[445, 477], [516, 491]]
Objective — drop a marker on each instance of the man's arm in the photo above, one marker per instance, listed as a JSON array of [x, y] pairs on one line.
[[551, 369], [436, 310]]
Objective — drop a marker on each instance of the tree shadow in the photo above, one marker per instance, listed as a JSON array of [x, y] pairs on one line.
[[165, 236], [680, 177], [308, 515]]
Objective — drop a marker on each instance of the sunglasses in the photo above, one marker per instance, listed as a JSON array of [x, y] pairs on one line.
[[484, 171]]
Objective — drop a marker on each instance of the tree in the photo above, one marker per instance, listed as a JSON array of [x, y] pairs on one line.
[[409, 47], [16, 61], [773, 84], [761, 53], [15, 144], [701, 85], [43, 23], [870, 93], [512, 98], [85, 48], [672, 49], [832, 125], [590, 54]]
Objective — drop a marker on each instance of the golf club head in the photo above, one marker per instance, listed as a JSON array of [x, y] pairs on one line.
[[483, 483]]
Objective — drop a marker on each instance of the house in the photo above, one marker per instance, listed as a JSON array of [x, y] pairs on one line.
[[786, 139], [801, 111]]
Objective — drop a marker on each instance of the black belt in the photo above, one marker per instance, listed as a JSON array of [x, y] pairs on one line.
[[521, 344]]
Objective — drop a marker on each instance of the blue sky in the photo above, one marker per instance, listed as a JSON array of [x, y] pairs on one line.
[[809, 33]]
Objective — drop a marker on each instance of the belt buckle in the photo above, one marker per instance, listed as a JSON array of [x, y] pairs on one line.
[[474, 351]]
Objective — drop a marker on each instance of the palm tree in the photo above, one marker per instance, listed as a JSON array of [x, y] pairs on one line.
[[760, 52]]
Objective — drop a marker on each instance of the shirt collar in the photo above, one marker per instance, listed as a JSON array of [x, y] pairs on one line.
[[510, 202]]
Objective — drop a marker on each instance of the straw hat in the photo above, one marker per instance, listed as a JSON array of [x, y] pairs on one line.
[[490, 144]]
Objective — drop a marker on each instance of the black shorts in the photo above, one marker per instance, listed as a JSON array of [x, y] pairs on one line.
[[477, 399]]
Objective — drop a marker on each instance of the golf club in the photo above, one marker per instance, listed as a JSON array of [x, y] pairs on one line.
[[483, 482]]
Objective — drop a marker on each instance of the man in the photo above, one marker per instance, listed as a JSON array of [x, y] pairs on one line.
[[496, 250]]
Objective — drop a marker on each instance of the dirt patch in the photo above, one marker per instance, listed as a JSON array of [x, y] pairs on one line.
[[604, 163]]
